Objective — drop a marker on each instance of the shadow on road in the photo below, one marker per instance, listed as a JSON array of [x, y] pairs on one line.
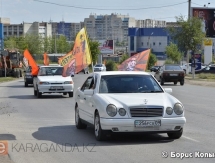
[[34, 97], [7, 137], [70, 135]]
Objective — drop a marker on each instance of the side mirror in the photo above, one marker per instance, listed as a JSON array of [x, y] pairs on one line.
[[168, 90], [88, 92]]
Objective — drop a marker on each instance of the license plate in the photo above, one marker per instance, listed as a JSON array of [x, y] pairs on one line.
[[56, 87], [147, 123], [173, 74]]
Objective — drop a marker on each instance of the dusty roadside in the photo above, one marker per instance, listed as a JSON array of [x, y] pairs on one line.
[[201, 82]]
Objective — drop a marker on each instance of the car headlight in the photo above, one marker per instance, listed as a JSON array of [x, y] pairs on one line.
[[111, 110], [169, 110], [44, 83], [178, 109], [68, 82], [122, 112]]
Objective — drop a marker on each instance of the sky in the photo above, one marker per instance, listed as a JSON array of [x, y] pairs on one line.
[[29, 11]]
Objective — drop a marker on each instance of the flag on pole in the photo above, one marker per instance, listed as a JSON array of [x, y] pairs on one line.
[[79, 58], [45, 59], [31, 62], [137, 62]]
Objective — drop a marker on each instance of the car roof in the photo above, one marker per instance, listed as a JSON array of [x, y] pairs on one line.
[[51, 66], [122, 73]]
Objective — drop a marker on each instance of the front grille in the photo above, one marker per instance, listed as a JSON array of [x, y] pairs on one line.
[[146, 112]]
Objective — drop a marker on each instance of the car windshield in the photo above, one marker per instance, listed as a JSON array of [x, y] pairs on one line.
[[98, 65], [128, 84], [50, 71], [173, 67]]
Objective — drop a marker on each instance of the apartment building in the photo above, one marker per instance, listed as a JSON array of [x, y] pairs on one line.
[[114, 26], [150, 23]]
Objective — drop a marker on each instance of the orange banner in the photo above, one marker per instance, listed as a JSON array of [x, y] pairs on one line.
[[31, 62], [79, 58], [137, 62], [45, 59]]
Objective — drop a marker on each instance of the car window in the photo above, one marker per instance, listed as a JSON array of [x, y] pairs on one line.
[[128, 84], [172, 67], [87, 84], [50, 71]]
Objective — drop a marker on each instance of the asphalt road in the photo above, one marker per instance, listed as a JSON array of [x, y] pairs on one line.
[[43, 130]]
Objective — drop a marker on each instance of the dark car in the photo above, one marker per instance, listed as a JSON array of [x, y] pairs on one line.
[[208, 69], [28, 78], [154, 68], [170, 73]]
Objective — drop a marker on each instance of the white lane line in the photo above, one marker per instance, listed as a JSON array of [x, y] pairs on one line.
[[190, 139]]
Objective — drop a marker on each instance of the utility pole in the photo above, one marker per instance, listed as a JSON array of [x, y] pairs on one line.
[[189, 7], [55, 44]]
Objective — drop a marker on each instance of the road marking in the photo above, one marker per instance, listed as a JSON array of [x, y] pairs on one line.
[[190, 139]]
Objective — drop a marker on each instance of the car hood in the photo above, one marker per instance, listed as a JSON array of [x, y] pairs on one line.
[[140, 99], [54, 78]]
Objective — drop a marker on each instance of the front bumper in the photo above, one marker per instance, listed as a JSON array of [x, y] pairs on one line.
[[29, 80], [47, 88], [127, 125], [173, 78]]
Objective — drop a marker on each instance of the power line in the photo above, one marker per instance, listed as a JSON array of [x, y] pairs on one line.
[[108, 9], [196, 4]]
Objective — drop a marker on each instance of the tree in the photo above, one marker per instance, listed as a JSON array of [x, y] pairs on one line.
[[123, 58], [173, 53], [152, 60], [94, 48], [110, 65], [188, 35]]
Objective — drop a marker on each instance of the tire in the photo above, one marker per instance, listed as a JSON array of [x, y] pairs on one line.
[[99, 133], [161, 81], [70, 94], [26, 84], [175, 82], [78, 123], [39, 94], [175, 135], [182, 82]]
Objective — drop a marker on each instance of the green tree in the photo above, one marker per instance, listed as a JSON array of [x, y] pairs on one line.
[[110, 65], [152, 60], [62, 45], [189, 34], [123, 58], [95, 51], [47, 44], [10, 43], [173, 53]]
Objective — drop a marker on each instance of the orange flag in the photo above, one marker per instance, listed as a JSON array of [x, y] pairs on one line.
[[137, 62], [31, 62], [45, 59]]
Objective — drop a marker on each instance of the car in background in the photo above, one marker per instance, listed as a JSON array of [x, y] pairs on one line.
[[127, 101], [28, 78], [154, 68], [50, 80], [170, 73], [207, 69], [99, 67]]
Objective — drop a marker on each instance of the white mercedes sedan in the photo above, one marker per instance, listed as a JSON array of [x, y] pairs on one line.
[[127, 101], [50, 80]]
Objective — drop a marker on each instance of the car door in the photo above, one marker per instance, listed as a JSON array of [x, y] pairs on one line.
[[81, 98], [90, 105]]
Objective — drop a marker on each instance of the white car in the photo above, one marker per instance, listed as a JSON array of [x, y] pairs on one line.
[[50, 80], [127, 101], [99, 67]]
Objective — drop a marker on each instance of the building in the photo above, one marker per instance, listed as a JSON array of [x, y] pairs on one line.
[[114, 26], [150, 23], [75, 28], [140, 39], [5, 21]]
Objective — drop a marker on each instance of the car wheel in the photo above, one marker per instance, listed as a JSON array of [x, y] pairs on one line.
[[161, 81], [26, 84], [35, 92], [182, 82], [175, 82], [99, 133], [70, 94], [78, 123], [175, 135], [39, 94]]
